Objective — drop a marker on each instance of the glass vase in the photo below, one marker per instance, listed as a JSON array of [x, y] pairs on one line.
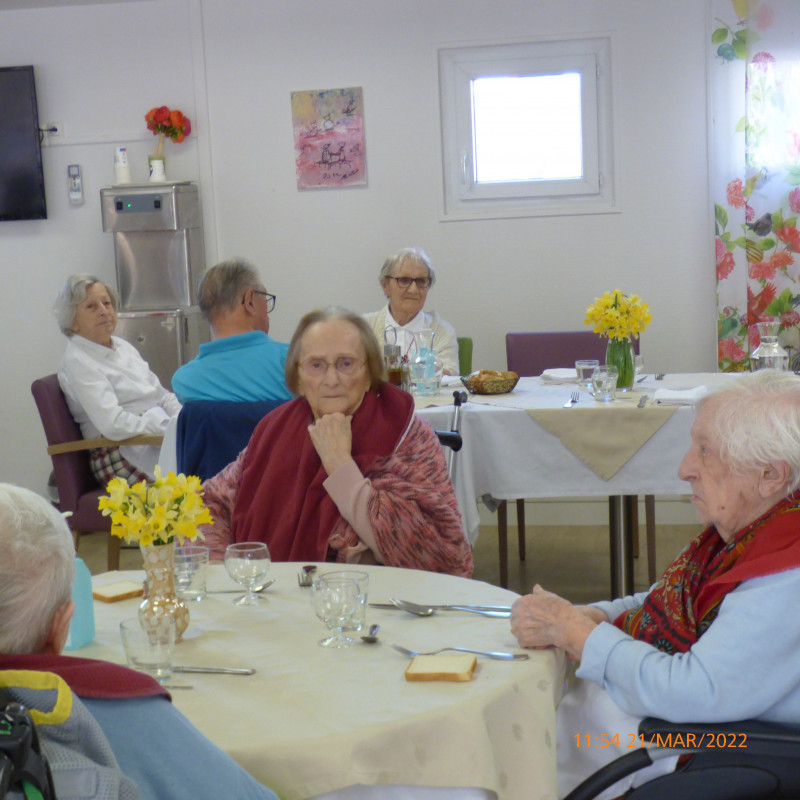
[[619, 352], [160, 598]]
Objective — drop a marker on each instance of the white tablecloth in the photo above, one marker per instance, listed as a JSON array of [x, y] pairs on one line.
[[507, 454], [313, 720]]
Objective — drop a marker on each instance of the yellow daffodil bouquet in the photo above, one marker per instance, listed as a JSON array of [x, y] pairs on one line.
[[157, 512], [618, 316]]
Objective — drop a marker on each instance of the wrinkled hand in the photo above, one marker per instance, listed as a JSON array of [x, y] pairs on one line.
[[543, 619], [332, 437]]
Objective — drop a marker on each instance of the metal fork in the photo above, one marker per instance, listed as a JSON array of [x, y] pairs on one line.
[[574, 397], [489, 654]]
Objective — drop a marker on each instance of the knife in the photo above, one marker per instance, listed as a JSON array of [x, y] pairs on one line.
[[216, 670], [498, 609]]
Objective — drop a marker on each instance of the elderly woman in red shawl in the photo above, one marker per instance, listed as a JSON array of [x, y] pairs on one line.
[[716, 638], [344, 472]]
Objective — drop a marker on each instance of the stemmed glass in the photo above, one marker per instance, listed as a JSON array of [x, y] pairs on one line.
[[336, 601], [247, 563]]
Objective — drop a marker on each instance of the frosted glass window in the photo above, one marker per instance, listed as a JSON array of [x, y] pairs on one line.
[[526, 129]]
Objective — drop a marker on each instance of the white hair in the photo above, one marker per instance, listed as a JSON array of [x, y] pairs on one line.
[[415, 254], [72, 294], [37, 568], [757, 420]]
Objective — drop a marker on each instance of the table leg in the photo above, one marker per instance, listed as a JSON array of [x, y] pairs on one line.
[[620, 527]]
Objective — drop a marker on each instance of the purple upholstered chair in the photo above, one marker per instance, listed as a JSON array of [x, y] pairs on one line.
[[78, 490]]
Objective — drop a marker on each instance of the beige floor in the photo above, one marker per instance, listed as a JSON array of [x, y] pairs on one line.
[[571, 560]]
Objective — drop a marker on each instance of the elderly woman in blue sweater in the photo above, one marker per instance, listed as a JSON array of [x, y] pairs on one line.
[[698, 646]]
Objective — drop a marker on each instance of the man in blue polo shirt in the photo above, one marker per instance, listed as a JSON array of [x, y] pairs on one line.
[[242, 363]]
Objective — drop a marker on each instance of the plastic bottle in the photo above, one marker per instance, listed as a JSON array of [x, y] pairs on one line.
[[423, 368], [81, 629]]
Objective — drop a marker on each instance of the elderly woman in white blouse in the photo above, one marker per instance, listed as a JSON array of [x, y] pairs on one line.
[[406, 277], [110, 389]]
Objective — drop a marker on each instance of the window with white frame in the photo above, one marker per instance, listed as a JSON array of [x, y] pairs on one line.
[[526, 129]]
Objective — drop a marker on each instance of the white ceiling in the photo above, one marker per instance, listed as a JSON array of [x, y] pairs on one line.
[[8, 5]]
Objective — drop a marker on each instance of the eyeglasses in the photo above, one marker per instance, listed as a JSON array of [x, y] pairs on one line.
[[268, 298], [404, 283], [344, 365]]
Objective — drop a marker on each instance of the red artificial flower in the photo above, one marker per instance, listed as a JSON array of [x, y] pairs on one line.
[[164, 122]]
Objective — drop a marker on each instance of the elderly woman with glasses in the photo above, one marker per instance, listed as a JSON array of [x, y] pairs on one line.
[[715, 639], [110, 389], [406, 277], [344, 472]]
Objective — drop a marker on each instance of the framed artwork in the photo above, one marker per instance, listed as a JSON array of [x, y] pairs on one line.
[[329, 138]]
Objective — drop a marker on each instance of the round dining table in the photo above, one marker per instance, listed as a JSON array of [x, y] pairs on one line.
[[344, 723]]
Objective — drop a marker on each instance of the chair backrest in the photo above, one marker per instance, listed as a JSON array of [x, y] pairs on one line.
[[532, 353], [212, 433], [73, 475]]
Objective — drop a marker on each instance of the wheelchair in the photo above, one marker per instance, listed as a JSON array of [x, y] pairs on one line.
[[747, 760]]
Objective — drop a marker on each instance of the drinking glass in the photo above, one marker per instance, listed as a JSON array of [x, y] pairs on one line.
[[149, 650], [638, 365], [247, 563], [583, 371], [336, 601], [604, 383], [191, 567], [359, 621]]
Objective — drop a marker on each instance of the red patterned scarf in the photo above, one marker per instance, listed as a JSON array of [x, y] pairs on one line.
[[686, 599], [281, 499]]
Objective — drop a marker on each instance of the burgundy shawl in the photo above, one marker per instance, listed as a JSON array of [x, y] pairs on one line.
[[281, 499]]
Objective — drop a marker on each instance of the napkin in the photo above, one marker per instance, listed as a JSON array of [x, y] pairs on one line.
[[567, 375], [679, 397]]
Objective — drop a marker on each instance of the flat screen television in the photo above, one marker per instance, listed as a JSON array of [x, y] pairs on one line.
[[21, 175]]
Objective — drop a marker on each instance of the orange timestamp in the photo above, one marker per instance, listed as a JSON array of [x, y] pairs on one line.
[[680, 741]]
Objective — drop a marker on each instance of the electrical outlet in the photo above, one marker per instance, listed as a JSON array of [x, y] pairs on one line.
[[52, 132]]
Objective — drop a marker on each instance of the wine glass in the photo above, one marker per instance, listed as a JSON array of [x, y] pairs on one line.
[[336, 601], [247, 563]]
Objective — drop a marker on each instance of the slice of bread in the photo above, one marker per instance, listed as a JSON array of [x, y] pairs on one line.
[[441, 668], [121, 590]]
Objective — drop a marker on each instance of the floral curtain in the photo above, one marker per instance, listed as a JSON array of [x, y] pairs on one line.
[[755, 172]]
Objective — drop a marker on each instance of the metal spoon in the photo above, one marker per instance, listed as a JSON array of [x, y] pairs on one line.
[[260, 588], [372, 636], [426, 611]]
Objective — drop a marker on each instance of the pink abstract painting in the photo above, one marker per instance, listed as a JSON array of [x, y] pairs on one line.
[[329, 138]]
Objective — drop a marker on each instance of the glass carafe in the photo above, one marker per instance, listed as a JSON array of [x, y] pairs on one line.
[[426, 368], [769, 354]]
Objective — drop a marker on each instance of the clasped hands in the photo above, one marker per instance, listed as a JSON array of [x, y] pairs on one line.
[[543, 619]]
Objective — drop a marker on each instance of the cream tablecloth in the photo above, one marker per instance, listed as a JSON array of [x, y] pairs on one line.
[[313, 720]]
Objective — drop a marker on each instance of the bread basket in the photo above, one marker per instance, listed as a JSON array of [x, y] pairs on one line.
[[489, 381]]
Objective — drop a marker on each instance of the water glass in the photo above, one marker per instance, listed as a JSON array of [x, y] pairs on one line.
[[359, 620], [336, 601], [583, 370], [247, 563], [604, 383], [149, 650], [191, 569], [638, 365]]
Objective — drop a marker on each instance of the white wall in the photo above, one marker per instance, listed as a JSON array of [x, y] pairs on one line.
[[231, 65]]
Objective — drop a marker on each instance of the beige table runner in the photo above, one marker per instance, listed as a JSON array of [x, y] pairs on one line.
[[604, 437]]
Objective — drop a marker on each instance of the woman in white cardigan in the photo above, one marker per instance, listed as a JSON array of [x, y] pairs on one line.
[[110, 389], [406, 277]]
